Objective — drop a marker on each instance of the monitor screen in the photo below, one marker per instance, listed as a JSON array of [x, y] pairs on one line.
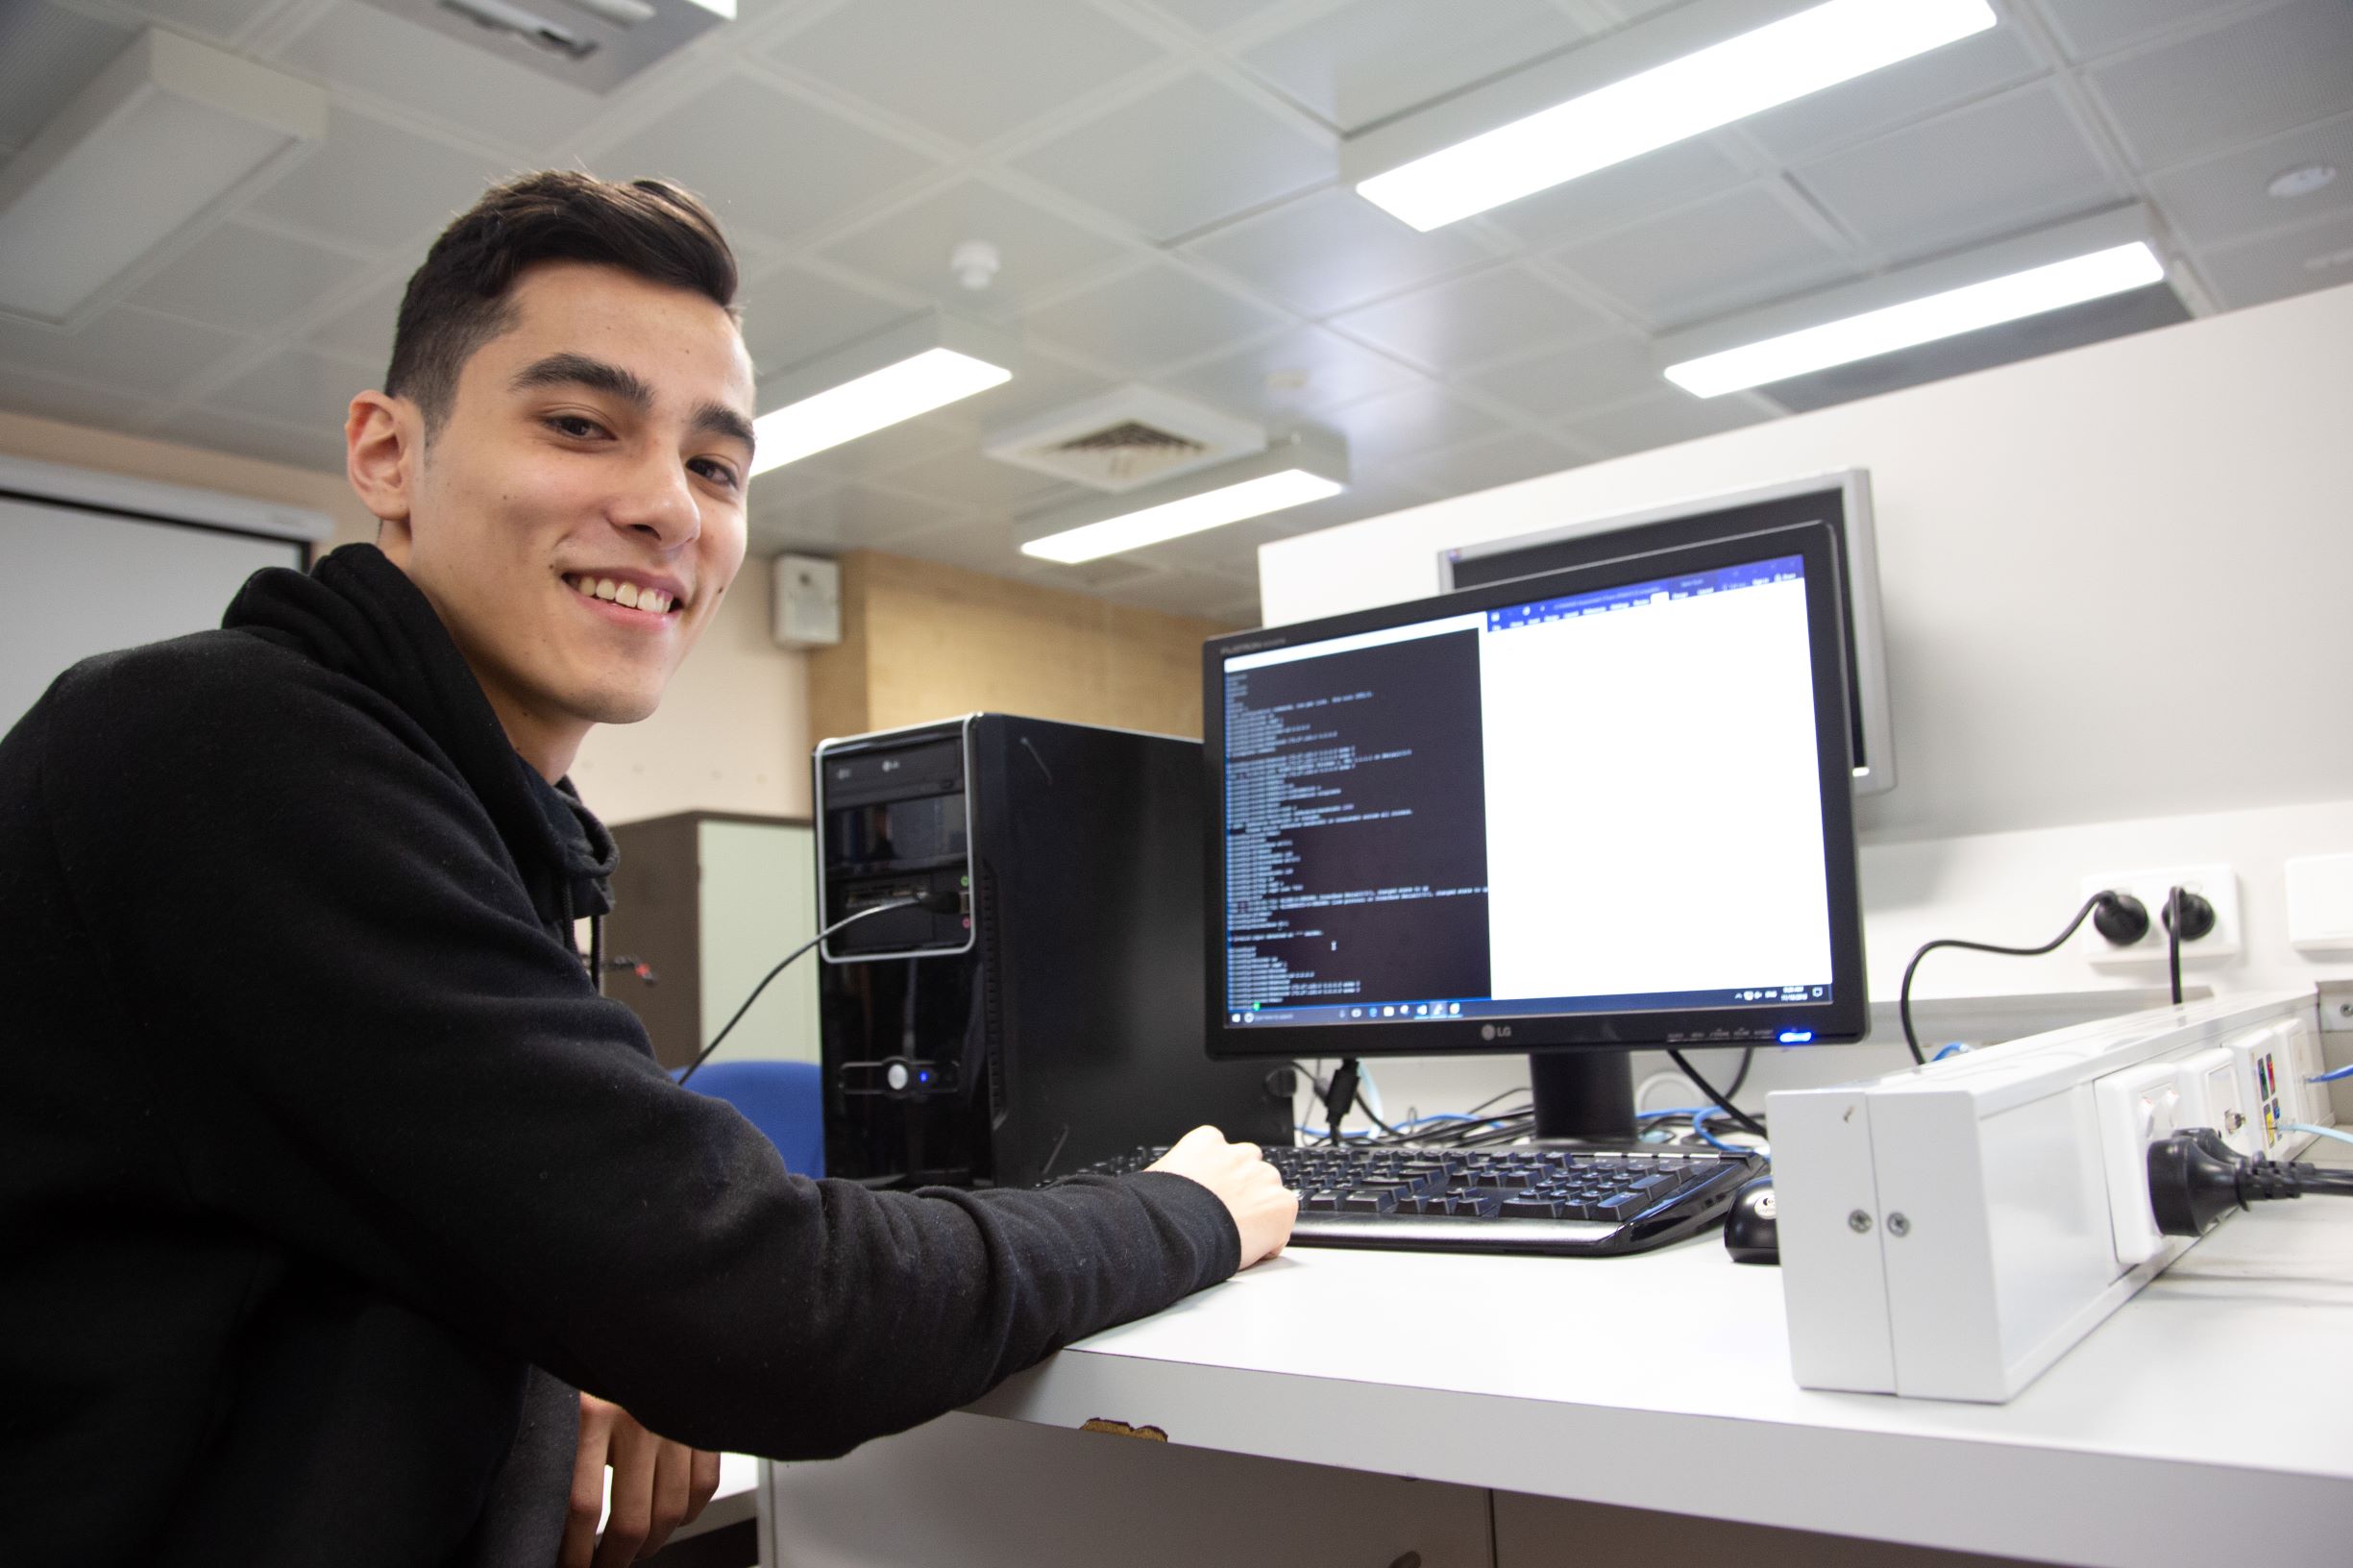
[[1603, 806]]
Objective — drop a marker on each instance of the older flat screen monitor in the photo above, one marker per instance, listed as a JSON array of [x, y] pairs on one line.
[[1842, 501], [1597, 809]]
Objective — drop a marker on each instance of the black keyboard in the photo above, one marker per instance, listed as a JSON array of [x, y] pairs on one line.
[[1562, 1202]]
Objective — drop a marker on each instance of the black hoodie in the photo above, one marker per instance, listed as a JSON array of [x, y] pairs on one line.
[[317, 1147]]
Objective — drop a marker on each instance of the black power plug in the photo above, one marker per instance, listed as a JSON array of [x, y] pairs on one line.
[[2121, 917], [2195, 1179], [2196, 915]]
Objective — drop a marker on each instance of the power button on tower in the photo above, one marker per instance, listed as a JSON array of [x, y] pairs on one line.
[[897, 1076]]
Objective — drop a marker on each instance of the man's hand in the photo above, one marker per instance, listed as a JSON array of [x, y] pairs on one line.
[[657, 1486], [1264, 1209]]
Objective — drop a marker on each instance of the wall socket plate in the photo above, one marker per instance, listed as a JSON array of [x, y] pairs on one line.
[[2216, 883]]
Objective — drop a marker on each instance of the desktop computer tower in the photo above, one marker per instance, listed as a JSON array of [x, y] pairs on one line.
[[1043, 1007]]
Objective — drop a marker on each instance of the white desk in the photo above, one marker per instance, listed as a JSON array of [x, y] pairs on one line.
[[2207, 1413]]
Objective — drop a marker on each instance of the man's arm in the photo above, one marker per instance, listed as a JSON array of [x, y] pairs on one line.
[[383, 1062]]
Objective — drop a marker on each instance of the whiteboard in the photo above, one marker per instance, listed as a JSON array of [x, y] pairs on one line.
[[89, 581]]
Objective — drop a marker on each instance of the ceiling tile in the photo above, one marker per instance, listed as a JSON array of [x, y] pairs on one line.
[[364, 330], [374, 184], [1465, 320], [1968, 69], [48, 53], [1717, 255], [1369, 59], [1482, 465], [359, 46], [792, 315], [123, 350], [2094, 27], [2278, 265], [883, 452], [1423, 417], [970, 72], [319, 450], [1661, 419], [1156, 315], [1997, 167], [977, 544], [246, 279], [1036, 250], [860, 514], [217, 19], [1039, 387], [1331, 371], [2266, 72], [24, 392], [1565, 381], [964, 479], [725, 144], [300, 388], [2225, 200], [1332, 248], [1211, 16], [1622, 193], [1182, 157]]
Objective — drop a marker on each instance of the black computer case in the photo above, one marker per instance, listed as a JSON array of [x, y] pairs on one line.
[[1047, 1011]]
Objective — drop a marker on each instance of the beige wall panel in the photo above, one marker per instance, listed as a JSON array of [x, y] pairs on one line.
[[937, 641]]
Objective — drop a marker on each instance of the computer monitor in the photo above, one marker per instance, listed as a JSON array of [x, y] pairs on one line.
[[1840, 499], [1570, 815]]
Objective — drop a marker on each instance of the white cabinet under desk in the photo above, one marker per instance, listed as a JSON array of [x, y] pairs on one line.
[[2206, 1418]]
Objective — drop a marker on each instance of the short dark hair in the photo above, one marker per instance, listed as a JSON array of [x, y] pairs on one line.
[[459, 299]]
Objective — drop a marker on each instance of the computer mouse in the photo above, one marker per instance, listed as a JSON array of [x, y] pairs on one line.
[[1752, 1231]]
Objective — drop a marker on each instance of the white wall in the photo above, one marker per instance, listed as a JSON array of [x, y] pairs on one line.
[[2112, 581], [2112, 578]]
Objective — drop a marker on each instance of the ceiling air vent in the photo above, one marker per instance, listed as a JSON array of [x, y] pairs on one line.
[[595, 44], [1125, 439]]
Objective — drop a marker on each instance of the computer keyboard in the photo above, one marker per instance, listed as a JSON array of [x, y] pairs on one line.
[[1528, 1199]]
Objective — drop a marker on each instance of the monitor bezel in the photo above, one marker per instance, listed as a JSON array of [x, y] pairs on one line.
[[1841, 1018], [1596, 539]]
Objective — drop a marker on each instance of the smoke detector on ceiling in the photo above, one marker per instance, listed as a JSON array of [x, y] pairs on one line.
[[1131, 436], [595, 44]]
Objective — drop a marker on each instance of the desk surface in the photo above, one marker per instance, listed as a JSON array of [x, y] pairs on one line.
[[1662, 1382]]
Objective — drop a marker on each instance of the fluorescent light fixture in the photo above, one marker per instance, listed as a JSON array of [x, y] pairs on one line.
[[1289, 473], [2096, 257], [876, 382], [1640, 109], [170, 129]]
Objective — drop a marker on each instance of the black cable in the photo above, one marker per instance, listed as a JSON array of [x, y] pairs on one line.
[[1739, 1118], [2172, 940], [848, 919], [1903, 992], [1748, 1054], [1340, 1095]]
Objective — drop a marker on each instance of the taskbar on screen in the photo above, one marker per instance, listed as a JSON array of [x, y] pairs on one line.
[[1458, 1009]]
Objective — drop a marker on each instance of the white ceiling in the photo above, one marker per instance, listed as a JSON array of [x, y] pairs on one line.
[[1160, 176]]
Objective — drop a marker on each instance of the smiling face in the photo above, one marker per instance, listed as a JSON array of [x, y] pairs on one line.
[[579, 512]]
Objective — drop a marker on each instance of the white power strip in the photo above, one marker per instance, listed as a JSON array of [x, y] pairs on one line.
[[1950, 1230]]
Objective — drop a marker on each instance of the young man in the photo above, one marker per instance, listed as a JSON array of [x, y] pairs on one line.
[[326, 1176]]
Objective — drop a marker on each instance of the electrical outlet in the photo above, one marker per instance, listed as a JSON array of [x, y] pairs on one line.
[[2217, 884]]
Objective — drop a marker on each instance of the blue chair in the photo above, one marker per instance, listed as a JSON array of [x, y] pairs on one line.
[[783, 1100]]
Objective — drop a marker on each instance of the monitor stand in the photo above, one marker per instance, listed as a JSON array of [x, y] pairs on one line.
[[1584, 1096]]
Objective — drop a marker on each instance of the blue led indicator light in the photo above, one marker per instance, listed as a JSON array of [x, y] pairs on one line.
[[1797, 1036]]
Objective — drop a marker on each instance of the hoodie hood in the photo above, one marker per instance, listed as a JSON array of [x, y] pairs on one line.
[[361, 616]]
